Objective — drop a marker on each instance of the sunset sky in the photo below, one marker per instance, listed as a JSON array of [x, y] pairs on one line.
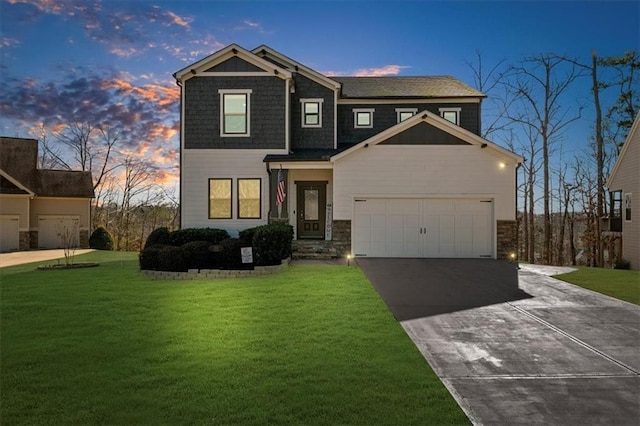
[[112, 61]]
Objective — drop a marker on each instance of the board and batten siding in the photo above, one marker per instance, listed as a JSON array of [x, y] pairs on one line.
[[435, 171], [200, 165], [627, 180]]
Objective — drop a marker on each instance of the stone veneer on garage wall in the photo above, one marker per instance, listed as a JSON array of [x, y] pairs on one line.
[[342, 237], [507, 238]]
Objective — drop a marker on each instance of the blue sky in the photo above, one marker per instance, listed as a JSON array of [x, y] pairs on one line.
[[113, 60]]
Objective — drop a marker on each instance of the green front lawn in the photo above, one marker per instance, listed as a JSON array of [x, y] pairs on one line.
[[105, 345], [621, 284]]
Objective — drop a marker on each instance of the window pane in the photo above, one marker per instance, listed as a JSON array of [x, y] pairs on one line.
[[452, 116], [311, 119], [220, 198], [311, 108], [311, 204], [235, 124], [363, 119], [235, 104], [405, 115], [249, 198]]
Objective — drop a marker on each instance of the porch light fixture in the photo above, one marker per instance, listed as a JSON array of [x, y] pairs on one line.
[[502, 165], [193, 71]]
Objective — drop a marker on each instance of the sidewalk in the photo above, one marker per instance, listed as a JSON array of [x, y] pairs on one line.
[[22, 257]]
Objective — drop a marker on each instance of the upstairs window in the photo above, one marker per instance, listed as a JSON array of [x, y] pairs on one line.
[[234, 112], [404, 113], [363, 118], [451, 114], [311, 112]]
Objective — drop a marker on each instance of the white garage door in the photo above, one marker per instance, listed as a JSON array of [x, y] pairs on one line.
[[9, 233], [446, 228], [53, 231]]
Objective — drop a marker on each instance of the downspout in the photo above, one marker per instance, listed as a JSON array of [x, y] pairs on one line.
[[269, 190], [179, 84]]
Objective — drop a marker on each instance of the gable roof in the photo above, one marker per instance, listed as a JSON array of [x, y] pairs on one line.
[[226, 53], [635, 128], [440, 123], [292, 65], [18, 164], [405, 87]]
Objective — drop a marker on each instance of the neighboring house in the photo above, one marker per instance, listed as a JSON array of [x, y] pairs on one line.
[[39, 207], [372, 166], [624, 188]]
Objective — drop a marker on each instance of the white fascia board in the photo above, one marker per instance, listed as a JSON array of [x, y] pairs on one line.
[[16, 182], [300, 165], [303, 69], [440, 123], [227, 53], [401, 101], [634, 129]]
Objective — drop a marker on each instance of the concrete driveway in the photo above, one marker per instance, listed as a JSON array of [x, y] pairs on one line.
[[23, 257], [517, 347]]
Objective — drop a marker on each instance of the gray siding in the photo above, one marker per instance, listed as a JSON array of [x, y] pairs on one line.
[[235, 64], [424, 134], [202, 113], [311, 138], [385, 117]]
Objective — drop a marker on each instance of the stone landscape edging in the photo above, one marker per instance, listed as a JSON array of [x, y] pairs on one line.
[[194, 274]]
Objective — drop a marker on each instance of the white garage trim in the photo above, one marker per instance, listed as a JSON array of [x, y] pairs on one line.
[[423, 227], [9, 233]]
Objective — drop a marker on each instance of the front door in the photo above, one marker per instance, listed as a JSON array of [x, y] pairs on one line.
[[311, 209]]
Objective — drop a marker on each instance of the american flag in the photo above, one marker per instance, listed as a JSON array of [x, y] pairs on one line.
[[280, 194]]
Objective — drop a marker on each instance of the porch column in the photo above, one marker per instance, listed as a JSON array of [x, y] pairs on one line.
[[274, 217]]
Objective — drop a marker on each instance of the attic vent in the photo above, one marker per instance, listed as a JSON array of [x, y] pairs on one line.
[[235, 51]]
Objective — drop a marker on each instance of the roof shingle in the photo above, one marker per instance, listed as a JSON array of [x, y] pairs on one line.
[[405, 87]]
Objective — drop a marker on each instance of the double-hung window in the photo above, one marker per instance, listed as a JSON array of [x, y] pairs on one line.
[[249, 198], [363, 118], [404, 113], [311, 112], [219, 198], [451, 114], [235, 115]]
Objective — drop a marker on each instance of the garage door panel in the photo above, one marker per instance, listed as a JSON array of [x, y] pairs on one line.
[[53, 231], [423, 228], [9, 234]]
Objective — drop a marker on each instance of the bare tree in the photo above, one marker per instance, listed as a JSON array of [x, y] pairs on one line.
[[539, 83]]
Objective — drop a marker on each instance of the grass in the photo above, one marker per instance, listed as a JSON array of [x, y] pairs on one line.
[[621, 284], [312, 345]]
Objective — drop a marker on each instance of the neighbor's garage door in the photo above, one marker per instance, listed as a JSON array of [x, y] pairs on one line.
[[447, 228], [53, 231], [9, 233]]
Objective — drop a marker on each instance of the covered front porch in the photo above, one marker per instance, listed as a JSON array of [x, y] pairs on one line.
[[307, 205]]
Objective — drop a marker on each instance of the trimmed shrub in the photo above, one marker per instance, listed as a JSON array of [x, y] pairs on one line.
[[230, 254], [621, 264], [150, 257], [158, 236], [272, 243], [100, 239], [172, 258], [199, 256], [187, 235], [247, 235]]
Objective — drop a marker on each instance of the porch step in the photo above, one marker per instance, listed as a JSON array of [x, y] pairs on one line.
[[313, 249]]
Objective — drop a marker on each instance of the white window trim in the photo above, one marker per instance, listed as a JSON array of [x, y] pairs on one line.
[[221, 93], [319, 101], [356, 111], [456, 110], [399, 111]]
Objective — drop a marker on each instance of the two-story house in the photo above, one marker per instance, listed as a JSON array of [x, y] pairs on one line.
[[367, 166]]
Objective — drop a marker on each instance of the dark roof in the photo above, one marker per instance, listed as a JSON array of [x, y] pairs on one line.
[[19, 159], [306, 155], [405, 87]]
